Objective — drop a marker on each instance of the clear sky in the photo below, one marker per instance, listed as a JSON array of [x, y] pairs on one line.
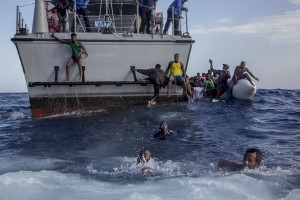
[[264, 33]]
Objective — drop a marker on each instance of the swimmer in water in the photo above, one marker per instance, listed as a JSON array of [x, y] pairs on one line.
[[164, 131], [144, 157], [252, 160]]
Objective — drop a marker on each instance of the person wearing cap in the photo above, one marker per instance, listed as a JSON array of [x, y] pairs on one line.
[[224, 75], [252, 160], [157, 77]]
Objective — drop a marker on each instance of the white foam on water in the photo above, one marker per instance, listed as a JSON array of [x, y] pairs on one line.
[[79, 113], [17, 115], [49, 185]]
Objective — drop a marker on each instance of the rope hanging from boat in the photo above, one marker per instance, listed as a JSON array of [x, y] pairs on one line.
[[99, 16], [112, 13]]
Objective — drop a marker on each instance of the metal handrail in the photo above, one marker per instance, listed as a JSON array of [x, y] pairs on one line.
[[21, 26]]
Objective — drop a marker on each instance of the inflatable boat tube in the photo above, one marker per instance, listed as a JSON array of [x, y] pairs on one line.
[[243, 89]]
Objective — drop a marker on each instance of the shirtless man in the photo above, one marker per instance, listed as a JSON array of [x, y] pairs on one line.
[[239, 73], [252, 160]]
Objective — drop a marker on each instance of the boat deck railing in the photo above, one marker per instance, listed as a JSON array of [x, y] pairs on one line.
[[111, 18], [21, 26]]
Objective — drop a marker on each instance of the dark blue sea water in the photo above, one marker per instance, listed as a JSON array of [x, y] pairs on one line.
[[92, 155]]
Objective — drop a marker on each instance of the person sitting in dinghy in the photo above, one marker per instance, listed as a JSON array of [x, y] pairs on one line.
[[224, 75]]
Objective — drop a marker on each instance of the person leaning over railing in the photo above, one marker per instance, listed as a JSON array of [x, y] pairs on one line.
[[178, 6]]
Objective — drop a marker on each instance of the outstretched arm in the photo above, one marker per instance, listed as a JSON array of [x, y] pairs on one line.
[[211, 65], [58, 39], [230, 165], [247, 70]]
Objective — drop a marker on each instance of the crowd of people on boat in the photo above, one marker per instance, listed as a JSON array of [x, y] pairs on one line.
[[212, 84], [145, 12]]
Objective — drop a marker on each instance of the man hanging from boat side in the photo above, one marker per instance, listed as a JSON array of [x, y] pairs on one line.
[[77, 49], [157, 78]]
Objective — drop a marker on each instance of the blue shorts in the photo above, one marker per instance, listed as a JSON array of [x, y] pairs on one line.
[[178, 78]]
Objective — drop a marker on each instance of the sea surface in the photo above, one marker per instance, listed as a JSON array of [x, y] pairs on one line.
[[92, 155]]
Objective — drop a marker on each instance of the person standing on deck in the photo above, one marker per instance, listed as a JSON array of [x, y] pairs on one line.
[[77, 50], [81, 9], [61, 7], [175, 67], [146, 11], [178, 7]]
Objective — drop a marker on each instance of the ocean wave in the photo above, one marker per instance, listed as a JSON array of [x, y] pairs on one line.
[[44, 185]]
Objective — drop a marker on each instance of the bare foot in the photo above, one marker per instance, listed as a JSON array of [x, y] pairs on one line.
[[149, 104]]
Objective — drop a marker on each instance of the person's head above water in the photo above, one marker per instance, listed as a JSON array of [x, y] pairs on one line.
[[164, 127], [252, 158], [144, 156]]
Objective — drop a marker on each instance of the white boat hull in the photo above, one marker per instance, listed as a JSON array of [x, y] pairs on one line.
[[107, 74]]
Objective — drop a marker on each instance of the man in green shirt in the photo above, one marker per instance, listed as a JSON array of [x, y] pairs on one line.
[[209, 86], [77, 50]]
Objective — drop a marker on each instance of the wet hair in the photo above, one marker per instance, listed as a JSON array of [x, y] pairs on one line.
[[176, 54], [73, 34], [257, 152]]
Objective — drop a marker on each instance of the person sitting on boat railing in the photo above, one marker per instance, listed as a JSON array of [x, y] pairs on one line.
[[178, 6], [157, 78], [146, 8], [77, 49], [224, 75], [252, 160], [62, 6], [81, 9], [175, 67]]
